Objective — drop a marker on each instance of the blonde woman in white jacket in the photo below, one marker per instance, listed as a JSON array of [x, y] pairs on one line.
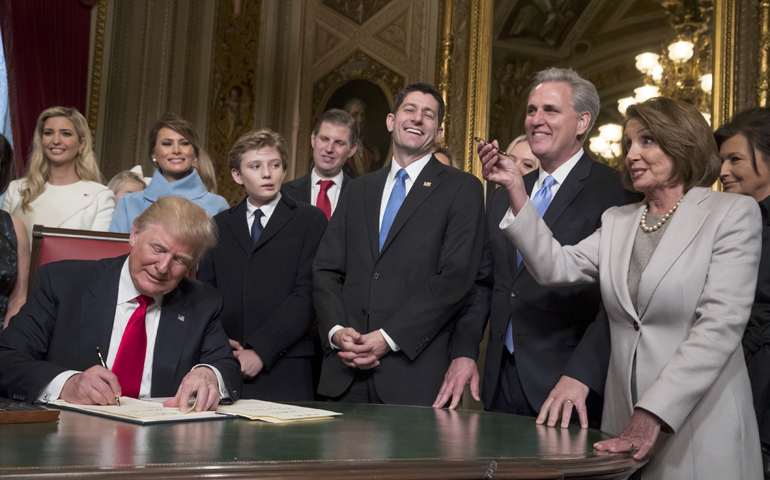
[[62, 187]]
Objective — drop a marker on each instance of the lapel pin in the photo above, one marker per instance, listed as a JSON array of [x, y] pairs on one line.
[[426, 184], [180, 318]]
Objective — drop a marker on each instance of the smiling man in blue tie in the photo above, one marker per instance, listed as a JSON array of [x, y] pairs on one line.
[[396, 264]]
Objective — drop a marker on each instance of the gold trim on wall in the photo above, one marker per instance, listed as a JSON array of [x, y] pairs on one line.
[[96, 68], [445, 63], [723, 96], [763, 74], [479, 60]]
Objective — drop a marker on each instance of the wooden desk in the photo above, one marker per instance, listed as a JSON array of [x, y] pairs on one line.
[[387, 441]]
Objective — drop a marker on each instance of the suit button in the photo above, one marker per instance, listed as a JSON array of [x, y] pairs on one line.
[[376, 275], [501, 336], [363, 311], [636, 326], [514, 293]]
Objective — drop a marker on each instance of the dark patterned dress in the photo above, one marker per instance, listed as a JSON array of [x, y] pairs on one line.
[[8, 261]]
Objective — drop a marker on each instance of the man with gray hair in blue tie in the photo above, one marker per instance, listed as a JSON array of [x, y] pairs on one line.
[[549, 347], [396, 265]]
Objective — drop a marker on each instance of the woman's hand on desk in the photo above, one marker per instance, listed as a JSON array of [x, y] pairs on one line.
[[640, 433], [95, 386]]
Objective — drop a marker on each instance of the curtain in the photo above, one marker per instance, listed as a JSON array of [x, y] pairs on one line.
[[46, 53]]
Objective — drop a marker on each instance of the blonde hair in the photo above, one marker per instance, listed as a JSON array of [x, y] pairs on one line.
[[518, 140], [182, 219], [256, 140], [39, 166], [122, 178], [205, 169]]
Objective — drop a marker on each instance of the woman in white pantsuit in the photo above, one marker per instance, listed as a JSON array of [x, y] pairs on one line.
[[677, 275]]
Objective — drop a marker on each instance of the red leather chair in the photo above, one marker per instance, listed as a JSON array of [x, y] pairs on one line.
[[54, 244]]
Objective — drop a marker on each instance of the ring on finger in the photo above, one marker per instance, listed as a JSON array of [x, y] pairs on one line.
[[569, 400], [630, 443]]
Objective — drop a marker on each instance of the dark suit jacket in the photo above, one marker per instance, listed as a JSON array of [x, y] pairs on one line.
[[268, 293], [554, 329], [412, 289], [300, 188], [756, 340], [71, 312]]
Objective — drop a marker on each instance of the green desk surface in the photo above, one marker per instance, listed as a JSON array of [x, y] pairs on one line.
[[368, 441]]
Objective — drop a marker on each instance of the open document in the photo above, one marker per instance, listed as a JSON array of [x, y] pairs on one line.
[[274, 412], [147, 412], [140, 411]]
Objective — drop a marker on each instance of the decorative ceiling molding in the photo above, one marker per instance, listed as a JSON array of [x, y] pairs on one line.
[[327, 39], [397, 34], [358, 11]]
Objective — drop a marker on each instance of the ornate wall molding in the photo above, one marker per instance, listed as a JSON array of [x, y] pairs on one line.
[[724, 57], [233, 87], [479, 64], [444, 63], [763, 74], [97, 63]]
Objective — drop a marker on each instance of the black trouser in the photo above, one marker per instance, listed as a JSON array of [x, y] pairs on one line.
[[362, 390], [509, 395]]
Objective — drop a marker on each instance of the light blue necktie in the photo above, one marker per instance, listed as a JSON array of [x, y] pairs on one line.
[[394, 203], [540, 200]]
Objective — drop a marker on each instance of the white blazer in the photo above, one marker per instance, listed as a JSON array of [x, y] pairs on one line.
[[82, 205], [694, 301]]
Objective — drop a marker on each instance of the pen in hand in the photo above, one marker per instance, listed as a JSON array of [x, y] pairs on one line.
[[101, 359]]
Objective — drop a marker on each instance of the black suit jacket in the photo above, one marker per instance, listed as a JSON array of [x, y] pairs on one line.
[[412, 289], [555, 330], [300, 188], [71, 312], [756, 340], [268, 293]]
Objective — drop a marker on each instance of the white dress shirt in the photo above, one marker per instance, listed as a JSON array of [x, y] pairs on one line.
[[267, 211], [559, 175], [413, 171], [333, 193], [126, 306]]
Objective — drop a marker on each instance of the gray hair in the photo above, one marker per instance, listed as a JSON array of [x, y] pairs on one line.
[[584, 96]]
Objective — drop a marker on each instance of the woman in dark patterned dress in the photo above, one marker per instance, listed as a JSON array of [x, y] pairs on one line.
[[14, 247]]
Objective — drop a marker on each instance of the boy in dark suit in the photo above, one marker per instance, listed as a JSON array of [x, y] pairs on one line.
[[262, 265]]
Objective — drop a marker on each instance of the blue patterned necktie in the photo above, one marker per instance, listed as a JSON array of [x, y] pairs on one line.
[[256, 227], [540, 200], [397, 196]]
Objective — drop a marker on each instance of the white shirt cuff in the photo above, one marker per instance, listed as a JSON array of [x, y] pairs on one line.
[[390, 341], [331, 334], [507, 220], [223, 393], [52, 391]]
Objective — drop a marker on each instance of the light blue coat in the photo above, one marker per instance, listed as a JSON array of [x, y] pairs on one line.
[[190, 187]]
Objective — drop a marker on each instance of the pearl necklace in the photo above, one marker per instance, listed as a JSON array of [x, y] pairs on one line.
[[666, 217]]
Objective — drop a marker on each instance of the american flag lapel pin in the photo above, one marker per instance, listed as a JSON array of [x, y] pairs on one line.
[[180, 318], [426, 184]]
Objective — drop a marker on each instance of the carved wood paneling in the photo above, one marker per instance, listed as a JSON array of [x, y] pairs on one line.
[[386, 42], [233, 86]]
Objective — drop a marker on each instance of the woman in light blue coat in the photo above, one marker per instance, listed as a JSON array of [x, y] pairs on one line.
[[174, 150]]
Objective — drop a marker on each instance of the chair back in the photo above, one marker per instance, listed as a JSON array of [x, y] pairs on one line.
[[54, 244]]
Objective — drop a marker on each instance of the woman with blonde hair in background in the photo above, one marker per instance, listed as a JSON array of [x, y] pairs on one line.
[[63, 185], [522, 155], [174, 150], [205, 169]]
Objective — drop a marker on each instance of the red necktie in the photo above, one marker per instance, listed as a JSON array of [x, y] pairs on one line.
[[129, 362], [323, 201]]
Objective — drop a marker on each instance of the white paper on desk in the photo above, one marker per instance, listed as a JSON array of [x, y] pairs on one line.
[[140, 411], [274, 412]]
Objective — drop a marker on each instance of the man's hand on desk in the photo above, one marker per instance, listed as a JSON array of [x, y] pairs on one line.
[[567, 393], [97, 385], [461, 371], [353, 351], [201, 381]]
